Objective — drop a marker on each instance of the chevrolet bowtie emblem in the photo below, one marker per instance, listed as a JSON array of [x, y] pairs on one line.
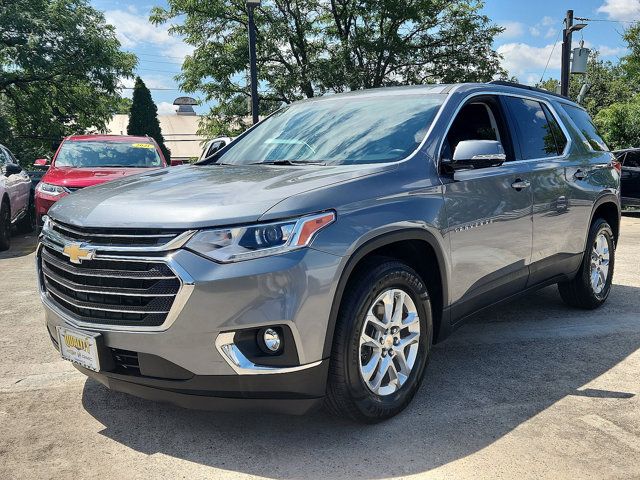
[[77, 254]]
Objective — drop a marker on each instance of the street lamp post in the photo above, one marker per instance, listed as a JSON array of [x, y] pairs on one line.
[[253, 67]]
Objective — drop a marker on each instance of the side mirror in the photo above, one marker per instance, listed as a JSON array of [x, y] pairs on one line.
[[471, 154], [42, 163], [12, 169]]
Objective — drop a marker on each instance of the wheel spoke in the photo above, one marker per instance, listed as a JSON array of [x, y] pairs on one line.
[[411, 320], [399, 307], [388, 300], [410, 339], [375, 322], [594, 278], [368, 341], [368, 369], [382, 371]]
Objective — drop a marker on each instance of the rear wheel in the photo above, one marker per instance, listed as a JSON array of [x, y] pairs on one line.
[[591, 286], [5, 226], [381, 344]]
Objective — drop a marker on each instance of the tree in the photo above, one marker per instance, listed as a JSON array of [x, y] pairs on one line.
[[123, 107], [619, 124], [313, 47], [143, 116], [60, 66]]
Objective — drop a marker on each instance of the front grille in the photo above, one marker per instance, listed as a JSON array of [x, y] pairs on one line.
[[115, 237], [110, 292]]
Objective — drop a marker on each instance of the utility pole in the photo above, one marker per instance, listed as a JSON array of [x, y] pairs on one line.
[[565, 67], [566, 54], [251, 5]]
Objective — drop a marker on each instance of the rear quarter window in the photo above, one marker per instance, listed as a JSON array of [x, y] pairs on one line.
[[587, 128]]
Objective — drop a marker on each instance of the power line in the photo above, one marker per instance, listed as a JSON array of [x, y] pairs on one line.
[[550, 55], [582, 19]]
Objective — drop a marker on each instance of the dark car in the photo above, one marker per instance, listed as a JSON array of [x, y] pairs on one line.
[[630, 181]]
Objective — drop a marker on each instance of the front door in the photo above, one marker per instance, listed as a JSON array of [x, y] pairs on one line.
[[488, 212]]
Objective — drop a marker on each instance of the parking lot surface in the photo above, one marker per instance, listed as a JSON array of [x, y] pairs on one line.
[[530, 389]]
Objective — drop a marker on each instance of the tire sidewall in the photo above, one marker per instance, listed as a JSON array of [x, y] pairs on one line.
[[387, 276], [5, 226]]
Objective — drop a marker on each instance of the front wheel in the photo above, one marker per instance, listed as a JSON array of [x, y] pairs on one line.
[[591, 286], [381, 344]]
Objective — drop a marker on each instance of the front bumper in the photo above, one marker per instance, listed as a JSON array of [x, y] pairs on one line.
[[291, 393], [295, 290]]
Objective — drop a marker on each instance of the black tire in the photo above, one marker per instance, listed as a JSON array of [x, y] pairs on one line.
[[5, 226], [347, 393], [579, 292], [27, 223]]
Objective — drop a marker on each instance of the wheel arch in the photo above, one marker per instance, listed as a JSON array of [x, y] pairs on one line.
[[608, 207], [398, 245]]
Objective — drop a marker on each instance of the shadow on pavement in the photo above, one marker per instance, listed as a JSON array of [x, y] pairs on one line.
[[501, 369], [21, 245]]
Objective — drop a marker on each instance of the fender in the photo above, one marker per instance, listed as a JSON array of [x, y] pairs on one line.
[[370, 246], [607, 197]]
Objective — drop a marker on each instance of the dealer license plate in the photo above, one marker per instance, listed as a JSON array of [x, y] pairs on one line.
[[79, 347]]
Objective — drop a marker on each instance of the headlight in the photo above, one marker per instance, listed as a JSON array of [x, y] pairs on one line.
[[53, 190], [252, 241]]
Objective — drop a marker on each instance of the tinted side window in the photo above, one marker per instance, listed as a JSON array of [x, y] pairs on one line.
[[632, 160], [535, 134], [558, 134], [586, 126], [4, 158]]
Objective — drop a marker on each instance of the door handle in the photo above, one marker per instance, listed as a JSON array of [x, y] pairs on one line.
[[520, 184], [580, 175]]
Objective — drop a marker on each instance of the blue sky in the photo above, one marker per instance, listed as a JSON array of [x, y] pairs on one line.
[[532, 29]]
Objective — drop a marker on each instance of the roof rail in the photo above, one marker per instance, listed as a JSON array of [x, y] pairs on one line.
[[527, 87]]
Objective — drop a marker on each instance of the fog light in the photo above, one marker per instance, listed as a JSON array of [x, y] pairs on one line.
[[271, 340]]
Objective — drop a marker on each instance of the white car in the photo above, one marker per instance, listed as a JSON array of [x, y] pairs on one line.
[[15, 192], [213, 145]]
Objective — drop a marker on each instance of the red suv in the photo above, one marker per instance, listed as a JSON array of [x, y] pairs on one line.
[[86, 160]]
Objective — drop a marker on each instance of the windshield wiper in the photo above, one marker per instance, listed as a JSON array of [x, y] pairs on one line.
[[288, 162]]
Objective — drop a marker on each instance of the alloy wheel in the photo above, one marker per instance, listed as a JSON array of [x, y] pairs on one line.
[[599, 263], [389, 342]]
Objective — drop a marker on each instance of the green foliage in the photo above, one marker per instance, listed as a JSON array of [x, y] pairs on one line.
[[619, 124], [143, 116], [60, 65], [123, 106], [313, 47]]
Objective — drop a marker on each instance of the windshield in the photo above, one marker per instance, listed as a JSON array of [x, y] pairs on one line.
[[339, 130], [108, 154]]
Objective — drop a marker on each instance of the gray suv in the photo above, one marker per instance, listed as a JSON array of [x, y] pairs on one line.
[[316, 259]]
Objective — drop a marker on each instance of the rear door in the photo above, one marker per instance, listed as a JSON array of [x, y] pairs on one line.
[[489, 220], [544, 146]]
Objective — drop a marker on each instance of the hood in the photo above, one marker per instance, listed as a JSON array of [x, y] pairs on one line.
[[86, 177], [197, 196]]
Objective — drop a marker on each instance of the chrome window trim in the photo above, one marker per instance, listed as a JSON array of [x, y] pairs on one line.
[[187, 285], [243, 366], [465, 100]]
